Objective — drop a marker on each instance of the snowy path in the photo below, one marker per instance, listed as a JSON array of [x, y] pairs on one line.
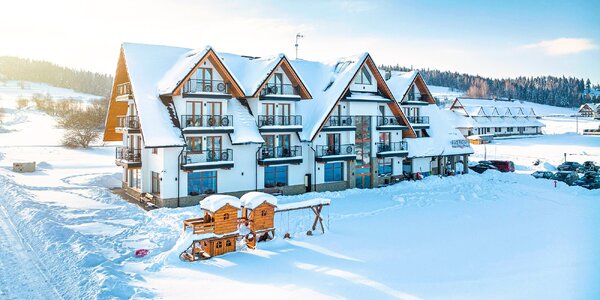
[[21, 276]]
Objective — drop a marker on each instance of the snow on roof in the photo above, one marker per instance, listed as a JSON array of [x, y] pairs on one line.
[[399, 83], [444, 138], [305, 203], [252, 200], [245, 129], [366, 96], [327, 81], [182, 67], [146, 65], [251, 72], [213, 203]]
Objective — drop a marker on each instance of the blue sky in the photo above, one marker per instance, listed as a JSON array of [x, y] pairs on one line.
[[491, 38]]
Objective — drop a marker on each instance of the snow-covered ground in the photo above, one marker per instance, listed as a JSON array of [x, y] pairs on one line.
[[12, 90], [490, 236]]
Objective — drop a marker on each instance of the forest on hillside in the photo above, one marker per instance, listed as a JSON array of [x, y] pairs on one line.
[[15, 68], [551, 90]]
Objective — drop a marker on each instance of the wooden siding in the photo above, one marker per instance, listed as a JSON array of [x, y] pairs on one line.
[[116, 108], [223, 226], [260, 222]]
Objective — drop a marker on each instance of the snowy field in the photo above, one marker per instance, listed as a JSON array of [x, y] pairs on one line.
[[63, 234]]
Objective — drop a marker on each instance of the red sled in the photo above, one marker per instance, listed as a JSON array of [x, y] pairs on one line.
[[142, 252]]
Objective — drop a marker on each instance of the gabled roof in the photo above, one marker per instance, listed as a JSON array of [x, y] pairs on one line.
[[253, 72], [187, 64], [401, 82], [146, 65], [329, 82]]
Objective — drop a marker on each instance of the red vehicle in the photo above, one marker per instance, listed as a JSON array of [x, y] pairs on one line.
[[503, 165]]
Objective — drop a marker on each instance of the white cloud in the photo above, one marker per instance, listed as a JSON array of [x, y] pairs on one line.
[[563, 46]]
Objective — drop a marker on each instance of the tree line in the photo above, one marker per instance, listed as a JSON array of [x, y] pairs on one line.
[[551, 90], [15, 68]]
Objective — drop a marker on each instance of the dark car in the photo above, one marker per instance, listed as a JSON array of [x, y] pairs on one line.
[[569, 166], [542, 174], [503, 165], [482, 167], [568, 177], [591, 180], [588, 166]]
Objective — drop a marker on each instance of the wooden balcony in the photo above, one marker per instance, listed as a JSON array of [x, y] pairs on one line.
[[199, 226], [124, 92]]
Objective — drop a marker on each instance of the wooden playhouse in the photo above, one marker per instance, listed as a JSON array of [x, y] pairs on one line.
[[222, 228]]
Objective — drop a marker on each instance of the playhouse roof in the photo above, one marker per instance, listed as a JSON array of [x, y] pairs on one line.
[[252, 200], [213, 203]]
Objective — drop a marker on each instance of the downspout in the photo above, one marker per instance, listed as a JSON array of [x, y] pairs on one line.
[[314, 166], [179, 173], [256, 173]]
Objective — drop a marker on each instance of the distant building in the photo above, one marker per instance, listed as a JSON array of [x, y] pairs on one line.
[[590, 110], [494, 117]]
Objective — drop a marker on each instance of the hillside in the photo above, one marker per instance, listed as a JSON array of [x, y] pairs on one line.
[[20, 69]]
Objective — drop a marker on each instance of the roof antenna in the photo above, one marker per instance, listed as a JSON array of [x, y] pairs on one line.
[[298, 36]]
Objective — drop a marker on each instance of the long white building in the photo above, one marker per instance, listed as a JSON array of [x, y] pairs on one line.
[[493, 117], [198, 122]]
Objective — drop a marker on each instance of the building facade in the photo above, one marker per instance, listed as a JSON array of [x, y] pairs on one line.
[[590, 110], [196, 122]]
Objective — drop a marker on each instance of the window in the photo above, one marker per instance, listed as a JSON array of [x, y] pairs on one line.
[[226, 217], [228, 243], [154, 150], [276, 176], [509, 129], [194, 144], [219, 244], [497, 129], [363, 77], [334, 172], [263, 213], [284, 141], [155, 183], [385, 166], [134, 178], [202, 183]]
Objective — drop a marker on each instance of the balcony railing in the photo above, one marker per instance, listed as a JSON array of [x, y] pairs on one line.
[[391, 147], [206, 121], [279, 152], [334, 121], [124, 89], [279, 120], [418, 120], [279, 89], [131, 122], [127, 154], [206, 86], [389, 121], [329, 150], [207, 156]]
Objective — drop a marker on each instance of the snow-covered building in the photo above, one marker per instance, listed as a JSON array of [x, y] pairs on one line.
[[590, 110], [494, 117], [199, 122]]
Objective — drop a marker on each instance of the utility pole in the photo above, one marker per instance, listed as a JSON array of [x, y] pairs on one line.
[[298, 36]]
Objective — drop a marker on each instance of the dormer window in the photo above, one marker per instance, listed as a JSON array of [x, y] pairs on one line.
[[363, 77]]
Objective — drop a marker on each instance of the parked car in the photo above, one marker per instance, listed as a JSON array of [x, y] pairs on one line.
[[503, 165], [482, 167], [588, 166], [568, 177], [591, 180], [569, 166], [542, 174]]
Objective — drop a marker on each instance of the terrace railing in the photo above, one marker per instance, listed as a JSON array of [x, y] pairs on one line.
[[128, 154], [338, 149], [206, 121], [279, 152], [207, 156], [206, 86], [391, 146], [389, 120], [131, 122], [335, 121], [279, 89], [418, 120], [270, 120]]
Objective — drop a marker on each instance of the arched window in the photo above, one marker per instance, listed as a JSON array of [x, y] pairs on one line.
[[226, 217], [228, 243], [263, 213], [219, 244]]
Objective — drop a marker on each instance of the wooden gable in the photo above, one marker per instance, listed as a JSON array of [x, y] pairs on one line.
[[211, 56], [423, 89], [116, 108], [291, 75], [225, 219], [262, 216], [383, 88]]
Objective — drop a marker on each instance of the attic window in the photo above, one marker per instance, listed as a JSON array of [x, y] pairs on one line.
[[341, 66], [226, 217], [363, 77], [263, 213]]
